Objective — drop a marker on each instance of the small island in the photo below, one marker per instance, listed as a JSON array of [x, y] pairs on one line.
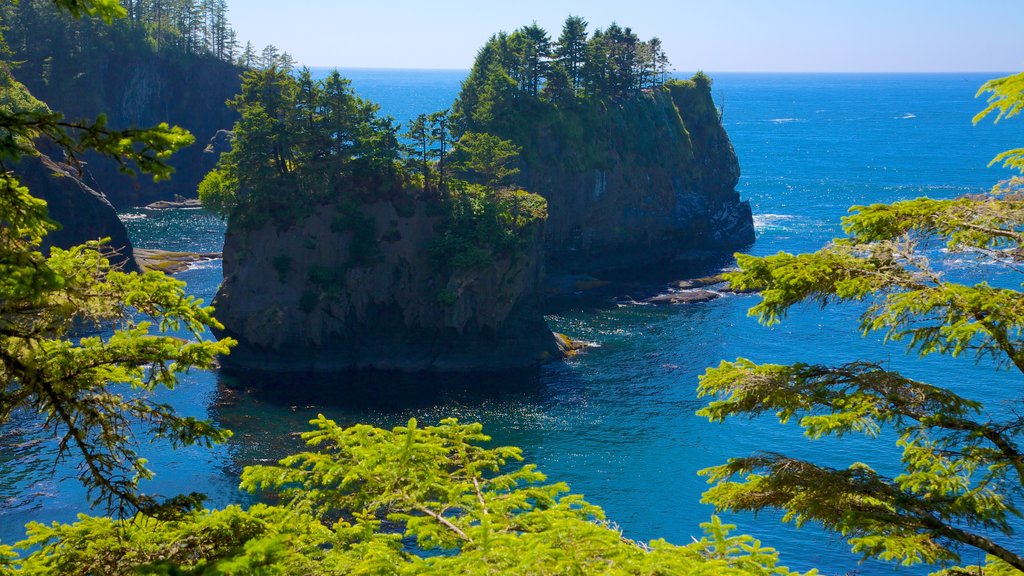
[[345, 252], [352, 244]]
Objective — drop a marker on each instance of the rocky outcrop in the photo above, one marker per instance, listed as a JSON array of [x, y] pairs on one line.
[[637, 180], [144, 91], [83, 213], [314, 297]]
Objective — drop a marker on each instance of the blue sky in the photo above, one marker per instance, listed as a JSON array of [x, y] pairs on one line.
[[713, 35]]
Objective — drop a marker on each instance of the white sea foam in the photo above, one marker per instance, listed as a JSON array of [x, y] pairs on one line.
[[907, 116], [764, 222], [786, 120], [132, 216]]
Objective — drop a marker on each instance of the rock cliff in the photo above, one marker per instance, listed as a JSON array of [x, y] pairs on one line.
[[145, 90], [83, 213], [635, 180], [317, 296]]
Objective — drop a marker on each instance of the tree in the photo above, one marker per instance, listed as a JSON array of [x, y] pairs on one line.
[[357, 500], [418, 148], [439, 133], [571, 49], [485, 159], [93, 393], [963, 466]]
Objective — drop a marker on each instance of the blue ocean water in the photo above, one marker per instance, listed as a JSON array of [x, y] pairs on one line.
[[617, 423]]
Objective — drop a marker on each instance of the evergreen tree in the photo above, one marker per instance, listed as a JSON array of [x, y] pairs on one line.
[[95, 393], [248, 58], [571, 49], [963, 467]]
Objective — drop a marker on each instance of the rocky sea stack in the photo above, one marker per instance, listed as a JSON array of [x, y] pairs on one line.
[[352, 246], [637, 179], [653, 178], [319, 297]]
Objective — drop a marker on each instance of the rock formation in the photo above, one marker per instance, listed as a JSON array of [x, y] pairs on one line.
[[310, 298], [634, 180], [83, 213]]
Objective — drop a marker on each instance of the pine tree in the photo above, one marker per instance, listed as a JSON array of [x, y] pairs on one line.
[[571, 49], [963, 467]]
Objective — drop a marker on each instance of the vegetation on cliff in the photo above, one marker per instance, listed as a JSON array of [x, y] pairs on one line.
[[302, 143], [524, 79], [165, 61], [961, 487], [636, 167]]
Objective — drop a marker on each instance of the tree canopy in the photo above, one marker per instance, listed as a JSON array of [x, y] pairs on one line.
[[962, 482], [365, 500], [514, 72]]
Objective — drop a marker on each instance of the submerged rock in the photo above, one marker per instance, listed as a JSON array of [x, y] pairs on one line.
[[170, 262], [311, 297], [684, 297]]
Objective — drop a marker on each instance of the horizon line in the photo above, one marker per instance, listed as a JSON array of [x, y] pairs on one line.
[[851, 72]]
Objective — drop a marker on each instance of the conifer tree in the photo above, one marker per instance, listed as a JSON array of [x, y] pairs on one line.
[[95, 393], [962, 482], [571, 49]]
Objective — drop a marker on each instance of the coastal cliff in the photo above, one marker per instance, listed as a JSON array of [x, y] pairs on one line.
[[653, 178], [83, 213], [86, 68], [635, 180], [355, 288]]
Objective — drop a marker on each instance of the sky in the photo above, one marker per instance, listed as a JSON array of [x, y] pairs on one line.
[[711, 35]]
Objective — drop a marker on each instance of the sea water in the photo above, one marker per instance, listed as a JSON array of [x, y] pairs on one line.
[[617, 422]]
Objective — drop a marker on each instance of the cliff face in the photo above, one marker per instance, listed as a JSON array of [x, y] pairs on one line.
[[144, 91], [83, 213], [636, 181], [316, 297]]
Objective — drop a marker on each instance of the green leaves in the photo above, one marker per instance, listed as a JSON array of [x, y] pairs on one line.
[[358, 491], [962, 475], [93, 393]]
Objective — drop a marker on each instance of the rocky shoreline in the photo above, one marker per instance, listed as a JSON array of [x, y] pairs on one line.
[[168, 262]]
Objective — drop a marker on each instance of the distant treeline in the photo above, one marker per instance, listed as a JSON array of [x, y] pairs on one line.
[[54, 48]]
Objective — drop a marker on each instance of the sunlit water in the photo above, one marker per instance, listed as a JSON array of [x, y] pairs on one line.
[[617, 423]]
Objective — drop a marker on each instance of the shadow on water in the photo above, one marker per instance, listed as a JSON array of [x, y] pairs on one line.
[[379, 391], [268, 412]]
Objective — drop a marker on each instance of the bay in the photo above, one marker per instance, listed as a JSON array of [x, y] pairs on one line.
[[617, 423]]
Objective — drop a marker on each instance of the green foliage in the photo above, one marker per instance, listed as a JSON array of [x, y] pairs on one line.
[[447, 297], [485, 159], [963, 470], [353, 500], [94, 393], [483, 224], [300, 143]]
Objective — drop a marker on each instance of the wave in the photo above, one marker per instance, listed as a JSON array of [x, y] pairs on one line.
[[132, 216], [907, 116], [787, 120], [764, 222]]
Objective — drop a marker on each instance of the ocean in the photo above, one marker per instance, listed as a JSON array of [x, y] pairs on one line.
[[617, 422]]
